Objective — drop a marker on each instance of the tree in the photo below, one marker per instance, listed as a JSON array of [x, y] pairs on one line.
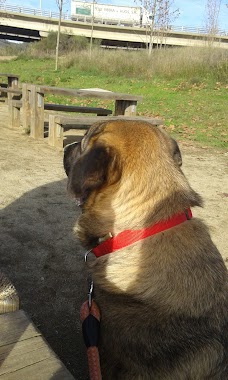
[[161, 15], [60, 4], [91, 36], [165, 17], [212, 11], [151, 6]]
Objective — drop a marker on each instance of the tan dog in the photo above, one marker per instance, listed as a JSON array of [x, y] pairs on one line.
[[160, 282]]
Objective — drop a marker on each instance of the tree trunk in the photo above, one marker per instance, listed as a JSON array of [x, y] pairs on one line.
[[152, 27], [58, 38], [91, 36]]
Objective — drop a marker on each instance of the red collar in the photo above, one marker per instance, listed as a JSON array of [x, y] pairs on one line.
[[128, 237]]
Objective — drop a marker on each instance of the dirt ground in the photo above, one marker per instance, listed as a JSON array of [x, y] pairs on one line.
[[38, 250]]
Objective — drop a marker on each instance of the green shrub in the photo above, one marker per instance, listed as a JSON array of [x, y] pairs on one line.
[[47, 46], [11, 49]]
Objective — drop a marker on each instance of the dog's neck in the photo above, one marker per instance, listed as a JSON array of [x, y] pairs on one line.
[[125, 238]]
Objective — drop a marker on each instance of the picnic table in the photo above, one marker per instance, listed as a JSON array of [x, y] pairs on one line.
[[31, 98], [124, 104], [28, 106]]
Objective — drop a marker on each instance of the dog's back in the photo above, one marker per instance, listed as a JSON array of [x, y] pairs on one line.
[[173, 324]]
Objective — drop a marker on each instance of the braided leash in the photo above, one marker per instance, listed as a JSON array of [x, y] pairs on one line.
[[90, 318]]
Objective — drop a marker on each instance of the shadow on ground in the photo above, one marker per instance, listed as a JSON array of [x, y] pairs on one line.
[[45, 263]]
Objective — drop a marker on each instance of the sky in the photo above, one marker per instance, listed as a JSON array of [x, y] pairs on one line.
[[192, 12]]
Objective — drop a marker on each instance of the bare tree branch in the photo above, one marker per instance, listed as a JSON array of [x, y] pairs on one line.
[[161, 16], [212, 11]]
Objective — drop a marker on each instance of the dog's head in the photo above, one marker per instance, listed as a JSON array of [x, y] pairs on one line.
[[90, 165], [122, 175]]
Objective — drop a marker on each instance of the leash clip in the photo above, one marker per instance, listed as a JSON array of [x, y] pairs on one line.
[[86, 255], [90, 281], [90, 293]]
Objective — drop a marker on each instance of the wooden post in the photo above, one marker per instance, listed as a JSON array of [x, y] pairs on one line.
[[13, 81], [9, 300], [3, 94], [10, 110], [37, 113], [14, 110], [125, 107], [15, 120], [13, 84], [55, 135], [51, 130], [26, 106]]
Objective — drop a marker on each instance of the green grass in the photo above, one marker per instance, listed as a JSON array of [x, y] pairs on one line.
[[192, 102]]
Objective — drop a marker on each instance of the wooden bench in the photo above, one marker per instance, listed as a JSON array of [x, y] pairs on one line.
[[59, 124], [31, 100], [60, 107], [21, 99], [125, 104], [14, 105], [33, 107], [18, 104], [24, 353]]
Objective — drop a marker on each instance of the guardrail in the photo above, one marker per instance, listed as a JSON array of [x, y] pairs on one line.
[[32, 11], [65, 16]]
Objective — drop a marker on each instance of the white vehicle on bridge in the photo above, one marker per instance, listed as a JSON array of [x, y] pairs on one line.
[[108, 14]]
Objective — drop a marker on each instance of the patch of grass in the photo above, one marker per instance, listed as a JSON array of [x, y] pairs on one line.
[[187, 88]]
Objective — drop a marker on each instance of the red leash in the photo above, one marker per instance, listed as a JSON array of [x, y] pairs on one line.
[[90, 318]]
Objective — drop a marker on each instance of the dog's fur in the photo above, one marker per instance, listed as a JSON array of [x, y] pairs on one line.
[[164, 299]]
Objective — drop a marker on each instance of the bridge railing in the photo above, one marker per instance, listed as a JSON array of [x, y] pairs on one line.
[[32, 11], [66, 16]]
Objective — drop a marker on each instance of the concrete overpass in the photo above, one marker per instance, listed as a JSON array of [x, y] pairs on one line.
[[15, 25]]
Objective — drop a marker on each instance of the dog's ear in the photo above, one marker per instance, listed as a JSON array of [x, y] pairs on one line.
[[175, 152], [94, 169], [71, 153], [173, 147]]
